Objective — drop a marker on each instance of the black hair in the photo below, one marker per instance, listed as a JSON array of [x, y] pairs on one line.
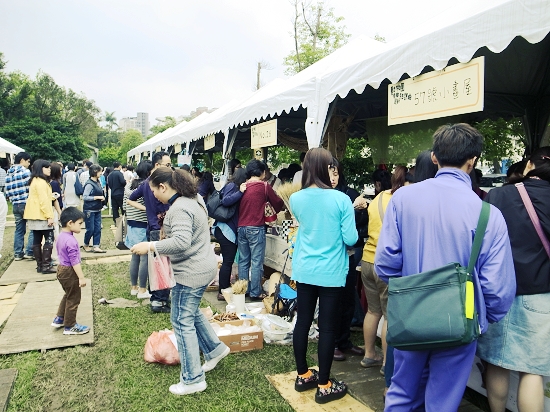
[[186, 168], [21, 156], [514, 174], [94, 170], [254, 167], [233, 165], [130, 168], [143, 170], [409, 177], [315, 171], [69, 214], [157, 157], [179, 180], [37, 169], [55, 171], [293, 168], [302, 157], [342, 184], [238, 177], [70, 166], [424, 167], [196, 172], [382, 176], [206, 177], [89, 164], [455, 144], [284, 175], [116, 164], [540, 158]]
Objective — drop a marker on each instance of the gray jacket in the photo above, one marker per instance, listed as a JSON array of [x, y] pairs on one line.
[[188, 242]]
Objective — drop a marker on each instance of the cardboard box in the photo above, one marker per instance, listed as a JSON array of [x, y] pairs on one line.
[[241, 342]]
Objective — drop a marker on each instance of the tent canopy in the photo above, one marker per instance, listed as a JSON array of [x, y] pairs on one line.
[[9, 148]]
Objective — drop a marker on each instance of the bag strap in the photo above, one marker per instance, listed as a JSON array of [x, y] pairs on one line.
[[533, 215], [480, 232], [381, 210]]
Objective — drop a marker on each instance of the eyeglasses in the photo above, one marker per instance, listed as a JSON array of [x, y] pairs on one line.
[[168, 165]]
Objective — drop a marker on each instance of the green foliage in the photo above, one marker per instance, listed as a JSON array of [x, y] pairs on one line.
[[129, 140], [110, 119], [358, 163], [503, 139], [45, 119], [109, 154], [281, 155], [317, 32], [116, 146], [167, 123], [106, 138]]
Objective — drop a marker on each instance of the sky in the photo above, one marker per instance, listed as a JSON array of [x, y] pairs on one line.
[[168, 57]]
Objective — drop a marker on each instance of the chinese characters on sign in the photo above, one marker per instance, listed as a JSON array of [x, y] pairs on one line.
[[264, 134], [457, 89], [209, 142]]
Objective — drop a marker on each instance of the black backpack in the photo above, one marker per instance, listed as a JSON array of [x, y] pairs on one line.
[[216, 210]]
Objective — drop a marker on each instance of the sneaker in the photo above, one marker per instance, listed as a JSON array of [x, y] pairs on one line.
[[76, 330], [134, 292], [211, 364], [144, 295], [18, 258], [337, 390], [57, 322], [303, 384], [160, 308], [183, 389], [29, 257]]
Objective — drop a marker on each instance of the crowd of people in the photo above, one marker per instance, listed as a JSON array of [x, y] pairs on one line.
[[421, 218]]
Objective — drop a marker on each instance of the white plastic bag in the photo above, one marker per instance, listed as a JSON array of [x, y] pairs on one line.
[[161, 275]]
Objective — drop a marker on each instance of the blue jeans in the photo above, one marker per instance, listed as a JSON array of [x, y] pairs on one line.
[[93, 227], [251, 240], [158, 297], [20, 230], [193, 333]]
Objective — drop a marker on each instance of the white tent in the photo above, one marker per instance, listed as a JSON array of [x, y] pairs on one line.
[[9, 148]]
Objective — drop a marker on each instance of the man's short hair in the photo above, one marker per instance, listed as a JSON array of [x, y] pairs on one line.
[[70, 166], [21, 156], [88, 164], [70, 214], [116, 164], [454, 144], [157, 157]]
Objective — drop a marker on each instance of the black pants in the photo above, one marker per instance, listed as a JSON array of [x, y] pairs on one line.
[[329, 315], [163, 295], [47, 235], [347, 308], [116, 203], [229, 250]]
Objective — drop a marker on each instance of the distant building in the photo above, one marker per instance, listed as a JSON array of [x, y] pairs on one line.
[[140, 122]]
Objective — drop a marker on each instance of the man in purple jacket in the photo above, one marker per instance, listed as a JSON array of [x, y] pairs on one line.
[[154, 208], [428, 225]]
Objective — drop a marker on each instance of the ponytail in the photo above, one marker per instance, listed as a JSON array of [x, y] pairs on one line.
[[180, 180]]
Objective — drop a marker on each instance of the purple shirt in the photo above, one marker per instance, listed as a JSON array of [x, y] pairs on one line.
[[68, 251], [432, 223], [152, 205]]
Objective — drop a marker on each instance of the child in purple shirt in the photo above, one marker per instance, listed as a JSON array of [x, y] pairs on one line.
[[69, 272]]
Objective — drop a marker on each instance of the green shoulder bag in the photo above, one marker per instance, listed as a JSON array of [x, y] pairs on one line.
[[436, 309]]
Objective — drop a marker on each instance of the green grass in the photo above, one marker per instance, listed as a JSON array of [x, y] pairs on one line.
[[111, 375]]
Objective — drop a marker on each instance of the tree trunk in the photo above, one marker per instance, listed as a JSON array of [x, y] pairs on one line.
[[258, 76], [296, 16], [496, 166]]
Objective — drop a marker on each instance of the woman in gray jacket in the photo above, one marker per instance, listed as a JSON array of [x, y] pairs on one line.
[[187, 244]]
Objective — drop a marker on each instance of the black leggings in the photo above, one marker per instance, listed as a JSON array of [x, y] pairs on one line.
[[347, 308], [229, 250], [48, 236], [329, 315]]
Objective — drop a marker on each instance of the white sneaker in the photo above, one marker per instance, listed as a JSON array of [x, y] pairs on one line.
[[183, 389], [144, 295], [211, 364], [134, 292]]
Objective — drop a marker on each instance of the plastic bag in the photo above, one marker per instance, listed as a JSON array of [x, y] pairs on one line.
[[159, 348], [161, 275]]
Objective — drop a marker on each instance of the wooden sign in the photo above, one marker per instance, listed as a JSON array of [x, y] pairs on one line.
[[209, 142], [263, 134], [456, 89]]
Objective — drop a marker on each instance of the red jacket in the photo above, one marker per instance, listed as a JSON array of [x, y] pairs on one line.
[[252, 207]]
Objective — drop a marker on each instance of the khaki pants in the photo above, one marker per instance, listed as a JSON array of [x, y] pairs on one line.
[[71, 299]]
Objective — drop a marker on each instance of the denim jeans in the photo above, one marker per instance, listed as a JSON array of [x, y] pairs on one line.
[[193, 333], [251, 240], [93, 227], [158, 297], [20, 230]]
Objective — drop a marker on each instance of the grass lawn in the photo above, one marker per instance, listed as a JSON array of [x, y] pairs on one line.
[[112, 375]]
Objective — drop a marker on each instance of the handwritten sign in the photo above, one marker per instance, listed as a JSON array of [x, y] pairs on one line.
[[264, 134], [177, 148], [184, 160], [209, 142], [456, 89]]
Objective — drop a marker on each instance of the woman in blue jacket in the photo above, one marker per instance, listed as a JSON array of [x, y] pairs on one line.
[[93, 197], [320, 267]]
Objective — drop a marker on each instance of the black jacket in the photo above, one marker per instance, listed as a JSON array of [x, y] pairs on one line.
[[116, 183]]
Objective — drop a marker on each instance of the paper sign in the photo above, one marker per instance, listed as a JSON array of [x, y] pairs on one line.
[[209, 142], [184, 160], [177, 148], [456, 89], [264, 134], [3, 155]]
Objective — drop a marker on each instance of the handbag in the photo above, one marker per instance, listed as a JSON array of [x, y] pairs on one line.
[[161, 275], [436, 309], [270, 216], [533, 216], [216, 210]]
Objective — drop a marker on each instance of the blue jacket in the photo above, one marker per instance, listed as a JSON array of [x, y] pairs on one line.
[[432, 223], [327, 225], [231, 194]]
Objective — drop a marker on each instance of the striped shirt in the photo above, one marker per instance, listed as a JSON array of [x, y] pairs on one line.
[[17, 184], [133, 214]]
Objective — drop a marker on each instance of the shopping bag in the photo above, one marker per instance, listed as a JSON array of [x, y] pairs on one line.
[[160, 348], [270, 216], [161, 275]]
